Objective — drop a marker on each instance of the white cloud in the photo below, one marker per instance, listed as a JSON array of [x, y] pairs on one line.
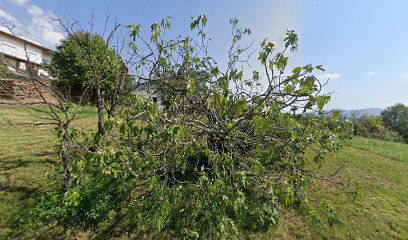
[[7, 16], [8, 22], [34, 10], [19, 2], [38, 24], [328, 76], [42, 24], [369, 74]]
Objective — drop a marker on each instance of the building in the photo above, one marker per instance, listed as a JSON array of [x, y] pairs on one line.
[[19, 53], [147, 92]]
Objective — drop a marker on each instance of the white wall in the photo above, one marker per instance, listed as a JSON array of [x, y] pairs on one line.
[[16, 48], [143, 91]]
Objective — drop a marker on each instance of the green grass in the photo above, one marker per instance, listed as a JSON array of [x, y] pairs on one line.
[[26, 154], [396, 151], [381, 168]]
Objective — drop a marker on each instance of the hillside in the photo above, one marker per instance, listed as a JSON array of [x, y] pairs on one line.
[[380, 167], [359, 112]]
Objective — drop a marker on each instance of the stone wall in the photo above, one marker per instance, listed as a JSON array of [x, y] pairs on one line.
[[23, 90]]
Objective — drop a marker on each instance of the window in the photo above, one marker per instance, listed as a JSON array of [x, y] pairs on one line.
[[32, 56], [9, 49], [22, 66], [46, 61]]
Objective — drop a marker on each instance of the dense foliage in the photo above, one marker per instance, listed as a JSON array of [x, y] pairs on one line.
[[92, 65], [68, 62], [374, 127], [225, 157], [396, 118], [3, 68], [83, 60]]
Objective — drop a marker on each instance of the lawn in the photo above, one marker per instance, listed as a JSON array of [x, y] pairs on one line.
[[380, 167], [26, 155]]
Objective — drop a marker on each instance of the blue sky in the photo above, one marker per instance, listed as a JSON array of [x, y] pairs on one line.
[[363, 44]]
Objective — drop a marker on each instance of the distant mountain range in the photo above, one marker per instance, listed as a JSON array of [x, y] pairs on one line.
[[360, 112]]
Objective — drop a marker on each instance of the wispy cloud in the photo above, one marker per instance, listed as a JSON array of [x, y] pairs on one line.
[[7, 16], [7, 21], [39, 23], [19, 2], [371, 73], [328, 76]]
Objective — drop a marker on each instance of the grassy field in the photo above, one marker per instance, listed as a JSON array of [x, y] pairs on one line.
[[381, 168]]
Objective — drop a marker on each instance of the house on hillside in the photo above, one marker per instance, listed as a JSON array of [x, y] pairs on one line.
[[18, 54], [147, 92], [150, 93]]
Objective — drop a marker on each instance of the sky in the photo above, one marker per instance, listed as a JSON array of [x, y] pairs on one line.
[[363, 44]]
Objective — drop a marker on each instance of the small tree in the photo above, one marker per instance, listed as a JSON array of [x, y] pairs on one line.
[[226, 155], [373, 126], [396, 118], [52, 108], [86, 60]]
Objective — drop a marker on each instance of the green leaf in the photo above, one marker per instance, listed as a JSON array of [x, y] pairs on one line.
[[321, 101], [238, 107], [297, 70], [260, 123], [320, 67], [308, 84]]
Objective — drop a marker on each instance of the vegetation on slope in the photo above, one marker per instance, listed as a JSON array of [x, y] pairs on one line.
[[26, 154], [224, 158], [392, 150]]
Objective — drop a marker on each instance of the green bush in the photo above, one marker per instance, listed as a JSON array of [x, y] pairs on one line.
[[396, 118], [373, 126], [3, 68], [220, 161], [193, 191]]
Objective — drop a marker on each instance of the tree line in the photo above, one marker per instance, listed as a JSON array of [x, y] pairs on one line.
[[392, 125]]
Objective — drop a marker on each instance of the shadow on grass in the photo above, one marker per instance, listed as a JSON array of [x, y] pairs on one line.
[[16, 162], [26, 192], [16, 215], [109, 231]]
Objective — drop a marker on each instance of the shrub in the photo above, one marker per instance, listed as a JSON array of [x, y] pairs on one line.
[[396, 118], [224, 156], [3, 68], [373, 126]]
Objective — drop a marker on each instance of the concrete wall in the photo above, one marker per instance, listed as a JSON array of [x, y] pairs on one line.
[[147, 93], [19, 49], [17, 52]]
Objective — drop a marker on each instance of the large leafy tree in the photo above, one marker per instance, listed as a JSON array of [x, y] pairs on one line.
[[226, 155], [87, 61], [79, 55], [373, 126], [396, 118]]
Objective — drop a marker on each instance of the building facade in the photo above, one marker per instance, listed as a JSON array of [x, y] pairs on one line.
[[19, 53]]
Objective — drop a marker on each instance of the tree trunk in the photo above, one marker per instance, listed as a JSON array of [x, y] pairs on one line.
[[65, 147], [101, 111]]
